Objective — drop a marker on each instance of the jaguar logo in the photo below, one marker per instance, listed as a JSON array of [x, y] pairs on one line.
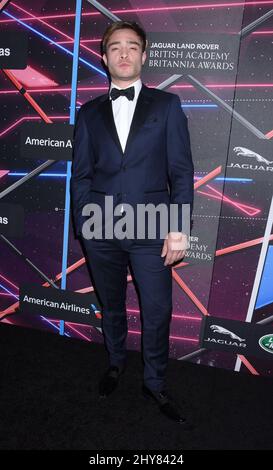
[[244, 152], [224, 331]]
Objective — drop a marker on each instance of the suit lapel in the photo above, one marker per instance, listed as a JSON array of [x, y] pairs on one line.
[[141, 111], [107, 113], [140, 114]]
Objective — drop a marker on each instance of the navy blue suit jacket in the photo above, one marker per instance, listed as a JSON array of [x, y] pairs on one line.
[[155, 167]]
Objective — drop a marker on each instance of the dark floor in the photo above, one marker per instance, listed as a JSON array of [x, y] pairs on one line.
[[48, 400]]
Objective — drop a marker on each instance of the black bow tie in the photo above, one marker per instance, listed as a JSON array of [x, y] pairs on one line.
[[128, 92]]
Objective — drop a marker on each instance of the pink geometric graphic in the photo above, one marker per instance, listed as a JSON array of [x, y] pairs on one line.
[[30, 77], [249, 210]]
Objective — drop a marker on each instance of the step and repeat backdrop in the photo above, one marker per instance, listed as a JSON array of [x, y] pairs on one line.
[[217, 57]]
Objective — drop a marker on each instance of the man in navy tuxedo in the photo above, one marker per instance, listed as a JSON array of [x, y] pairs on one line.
[[132, 144]]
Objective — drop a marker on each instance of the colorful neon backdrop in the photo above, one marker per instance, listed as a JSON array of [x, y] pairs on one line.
[[232, 193]]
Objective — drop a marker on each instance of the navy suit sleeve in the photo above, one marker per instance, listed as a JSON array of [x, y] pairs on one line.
[[82, 170], [180, 165]]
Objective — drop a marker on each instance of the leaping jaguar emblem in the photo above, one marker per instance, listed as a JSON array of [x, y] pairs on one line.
[[224, 331], [244, 152]]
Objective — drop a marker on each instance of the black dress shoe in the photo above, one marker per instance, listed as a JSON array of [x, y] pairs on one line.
[[109, 381], [166, 404]]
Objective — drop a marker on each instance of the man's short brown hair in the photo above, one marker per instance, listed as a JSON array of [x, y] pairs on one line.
[[123, 25]]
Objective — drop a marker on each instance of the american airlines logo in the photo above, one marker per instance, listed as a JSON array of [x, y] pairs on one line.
[[11, 219], [5, 52], [4, 220], [13, 49], [48, 142], [37, 139]]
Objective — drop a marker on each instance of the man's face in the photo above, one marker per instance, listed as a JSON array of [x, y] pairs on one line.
[[124, 57]]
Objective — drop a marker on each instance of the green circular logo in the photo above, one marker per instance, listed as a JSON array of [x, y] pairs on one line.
[[266, 342]]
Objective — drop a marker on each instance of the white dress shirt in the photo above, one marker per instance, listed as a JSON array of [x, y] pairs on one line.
[[123, 112]]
